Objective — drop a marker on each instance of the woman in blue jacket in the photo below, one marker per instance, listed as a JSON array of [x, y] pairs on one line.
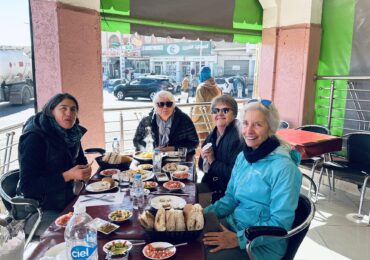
[[263, 189]]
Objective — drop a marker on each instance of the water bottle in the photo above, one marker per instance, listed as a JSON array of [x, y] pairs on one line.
[[157, 161], [115, 146], [80, 238], [149, 140], [137, 191]]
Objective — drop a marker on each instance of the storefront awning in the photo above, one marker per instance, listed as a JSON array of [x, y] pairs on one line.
[[229, 20]]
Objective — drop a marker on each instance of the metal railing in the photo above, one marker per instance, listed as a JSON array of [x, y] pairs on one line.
[[349, 104], [119, 123]]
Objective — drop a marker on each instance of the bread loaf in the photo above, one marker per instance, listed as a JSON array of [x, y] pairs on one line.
[[194, 217], [179, 221], [109, 180], [160, 220], [147, 220], [170, 220]]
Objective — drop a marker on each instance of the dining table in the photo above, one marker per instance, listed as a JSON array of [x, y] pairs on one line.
[[128, 230], [310, 144]]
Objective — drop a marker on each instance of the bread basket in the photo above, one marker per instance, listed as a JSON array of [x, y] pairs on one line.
[[104, 165]]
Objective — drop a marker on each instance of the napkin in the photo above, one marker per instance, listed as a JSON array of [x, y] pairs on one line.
[[114, 198]]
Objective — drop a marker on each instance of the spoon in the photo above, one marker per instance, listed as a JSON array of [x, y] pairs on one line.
[[168, 247]]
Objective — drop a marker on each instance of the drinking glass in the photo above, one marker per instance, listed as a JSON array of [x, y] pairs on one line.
[[182, 151], [124, 180]]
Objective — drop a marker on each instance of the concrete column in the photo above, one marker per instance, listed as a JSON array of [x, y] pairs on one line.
[[67, 44], [289, 57]]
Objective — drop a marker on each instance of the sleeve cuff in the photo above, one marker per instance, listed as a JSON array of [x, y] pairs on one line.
[[242, 239]]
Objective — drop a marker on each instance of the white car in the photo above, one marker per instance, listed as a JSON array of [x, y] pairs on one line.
[[225, 85]]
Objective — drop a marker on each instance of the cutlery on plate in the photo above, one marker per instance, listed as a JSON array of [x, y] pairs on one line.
[[103, 198], [168, 247]]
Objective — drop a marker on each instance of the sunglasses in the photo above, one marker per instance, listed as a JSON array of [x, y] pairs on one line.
[[224, 110], [264, 102], [167, 104]]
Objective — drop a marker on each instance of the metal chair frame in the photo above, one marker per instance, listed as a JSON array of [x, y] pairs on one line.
[[22, 202], [287, 234]]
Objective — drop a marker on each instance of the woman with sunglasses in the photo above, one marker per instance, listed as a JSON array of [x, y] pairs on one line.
[[218, 161], [263, 189], [170, 127]]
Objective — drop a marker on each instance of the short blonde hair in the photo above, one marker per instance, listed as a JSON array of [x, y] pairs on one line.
[[163, 94], [271, 113]]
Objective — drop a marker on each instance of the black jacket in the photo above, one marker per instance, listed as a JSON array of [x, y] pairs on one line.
[[43, 157], [230, 145], [182, 133]]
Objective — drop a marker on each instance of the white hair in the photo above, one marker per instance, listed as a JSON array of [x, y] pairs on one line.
[[164, 94], [270, 112]]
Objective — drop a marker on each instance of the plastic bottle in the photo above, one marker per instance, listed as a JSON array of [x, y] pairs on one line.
[[137, 192], [116, 146], [80, 238], [149, 140], [157, 161]]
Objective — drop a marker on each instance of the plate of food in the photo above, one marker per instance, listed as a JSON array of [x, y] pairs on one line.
[[180, 175], [63, 219], [103, 185], [172, 154], [159, 250], [103, 226], [143, 156], [150, 185], [145, 175], [145, 166], [167, 202], [117, 247], [173, 185], [120, 215], [171, 167], [109, 172]]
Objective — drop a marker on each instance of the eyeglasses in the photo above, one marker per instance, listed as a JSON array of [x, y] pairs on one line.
[[224, 110], [264, 102], [167, 104]]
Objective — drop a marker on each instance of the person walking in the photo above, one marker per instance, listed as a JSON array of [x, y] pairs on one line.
[[185, 85], [206, 91]]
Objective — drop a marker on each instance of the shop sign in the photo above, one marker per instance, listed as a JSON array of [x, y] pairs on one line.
[[177, 49]]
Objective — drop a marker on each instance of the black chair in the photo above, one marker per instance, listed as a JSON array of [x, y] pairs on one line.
[[19, 208], [283, 124], [355, 168], [314, 161], [304, 214]]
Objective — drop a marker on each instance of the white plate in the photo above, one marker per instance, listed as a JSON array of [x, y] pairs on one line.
[[159, 244], [100, 186], [128, 243], [172, 154], [145, 175], [178, 175], [145, 166], [109, 172], [182, 185], [138, 157], [173, 202], [97, 223], [57, 252], [63, 216], [179, 167], [129, 215]]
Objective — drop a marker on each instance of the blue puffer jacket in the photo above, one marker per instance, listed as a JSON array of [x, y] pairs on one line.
[[264, 193]]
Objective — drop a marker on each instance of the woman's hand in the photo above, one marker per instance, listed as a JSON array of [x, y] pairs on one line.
[[79, 172], [208, 155], [224, 239]]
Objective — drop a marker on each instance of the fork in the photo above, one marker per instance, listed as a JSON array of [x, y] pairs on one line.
[[168, 247]]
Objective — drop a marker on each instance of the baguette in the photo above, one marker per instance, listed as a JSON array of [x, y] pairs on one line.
[[160, 220], [147, 220], [170, 220], [179, 221]]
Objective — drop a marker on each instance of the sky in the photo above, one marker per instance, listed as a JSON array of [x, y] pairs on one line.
[[14, 23]]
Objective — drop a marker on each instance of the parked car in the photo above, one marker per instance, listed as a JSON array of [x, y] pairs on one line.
[[112, 83], [225, 85], [145, 87]]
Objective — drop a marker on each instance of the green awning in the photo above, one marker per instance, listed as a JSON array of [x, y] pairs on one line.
[[229, 20]]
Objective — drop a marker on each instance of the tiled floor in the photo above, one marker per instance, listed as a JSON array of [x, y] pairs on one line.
[[334, 234]]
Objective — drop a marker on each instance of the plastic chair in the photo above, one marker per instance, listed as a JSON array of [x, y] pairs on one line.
[[355, 168], [314, 161], [304, 214], [18, 207]]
